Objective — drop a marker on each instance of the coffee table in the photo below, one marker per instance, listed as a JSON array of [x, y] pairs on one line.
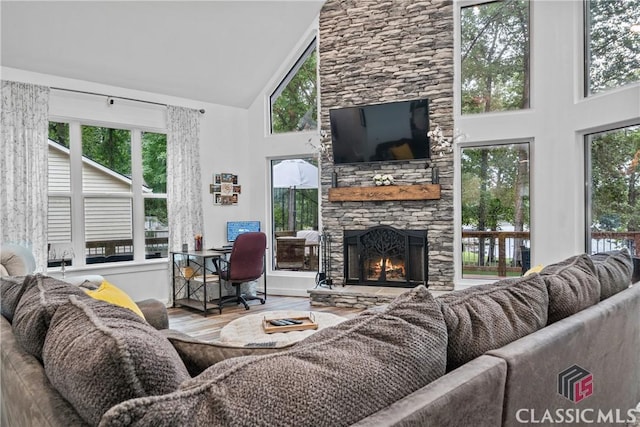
[[249, 330]]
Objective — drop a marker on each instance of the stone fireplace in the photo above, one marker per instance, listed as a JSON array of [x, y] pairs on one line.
[[374, 52], [385, 256]]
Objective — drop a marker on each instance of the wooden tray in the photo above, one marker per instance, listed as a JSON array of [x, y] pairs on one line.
[[308, 322]]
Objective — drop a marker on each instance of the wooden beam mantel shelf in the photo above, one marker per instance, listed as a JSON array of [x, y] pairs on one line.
[[383, 193]]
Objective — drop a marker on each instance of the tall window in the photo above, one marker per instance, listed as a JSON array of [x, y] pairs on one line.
[[495, 210], [612, 44], [294, 202], [294, 103], [117, 197], [614, 195], [495, 56]]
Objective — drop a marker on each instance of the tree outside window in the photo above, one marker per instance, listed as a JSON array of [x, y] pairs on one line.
[[615, 190], [495, 56], [612, 45], [495, 209], [294, 103]]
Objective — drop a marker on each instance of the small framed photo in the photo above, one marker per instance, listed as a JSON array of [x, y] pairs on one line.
[[237, 189], [227, 177], [217, 198], [217, 178]]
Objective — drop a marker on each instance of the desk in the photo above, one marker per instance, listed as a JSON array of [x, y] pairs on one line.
[[191, 275]]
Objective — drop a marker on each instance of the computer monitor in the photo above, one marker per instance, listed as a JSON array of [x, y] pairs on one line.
[[235, 228]]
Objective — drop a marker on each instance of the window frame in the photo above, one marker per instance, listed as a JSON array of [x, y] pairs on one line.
[[281, 86], [588, 177], [78, 196]]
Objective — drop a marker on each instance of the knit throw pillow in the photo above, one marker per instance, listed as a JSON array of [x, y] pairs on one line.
[[97, 355], [11, 290], [614, 271], [486, 317], [334, 377], [42, 297], [573, 285]]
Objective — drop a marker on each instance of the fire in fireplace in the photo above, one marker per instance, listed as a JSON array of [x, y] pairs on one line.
[[385, 256]]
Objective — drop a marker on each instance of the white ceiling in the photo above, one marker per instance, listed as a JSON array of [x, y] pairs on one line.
[[223, 52]]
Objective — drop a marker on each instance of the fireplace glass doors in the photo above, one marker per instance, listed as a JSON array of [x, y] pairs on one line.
[[385, 256]]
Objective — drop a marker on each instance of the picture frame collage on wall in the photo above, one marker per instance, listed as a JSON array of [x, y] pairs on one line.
[[225, 189]]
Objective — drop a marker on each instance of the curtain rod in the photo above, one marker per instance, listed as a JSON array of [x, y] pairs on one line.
[[110, 98]]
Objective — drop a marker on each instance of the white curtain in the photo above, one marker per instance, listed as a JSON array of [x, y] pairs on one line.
[[24, 120], [184, 184]]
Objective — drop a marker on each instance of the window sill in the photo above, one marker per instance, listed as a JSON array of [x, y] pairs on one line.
[[112, 268]]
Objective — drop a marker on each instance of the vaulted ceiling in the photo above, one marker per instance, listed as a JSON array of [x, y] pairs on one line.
[[223, 52]]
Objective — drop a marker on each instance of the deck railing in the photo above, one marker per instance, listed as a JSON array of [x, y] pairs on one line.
[[506, 253]]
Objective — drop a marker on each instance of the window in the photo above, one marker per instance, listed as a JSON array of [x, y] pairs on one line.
[[116, 198], [294, 105], [614, 190], [495, 56], [612, 44], [495, 210], [295, 213]]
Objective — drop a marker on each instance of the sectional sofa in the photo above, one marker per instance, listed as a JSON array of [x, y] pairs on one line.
[[559, 346]]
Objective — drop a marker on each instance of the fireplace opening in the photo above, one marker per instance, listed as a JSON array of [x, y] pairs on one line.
[[385, 256]]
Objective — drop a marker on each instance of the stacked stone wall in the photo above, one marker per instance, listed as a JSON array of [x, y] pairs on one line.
[[374, 51]]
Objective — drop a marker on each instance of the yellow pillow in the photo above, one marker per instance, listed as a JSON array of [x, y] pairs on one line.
[[401, 152], [537, 269], [111, 294]]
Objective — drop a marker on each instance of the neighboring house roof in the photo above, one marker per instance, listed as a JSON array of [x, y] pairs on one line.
[[103, 169]]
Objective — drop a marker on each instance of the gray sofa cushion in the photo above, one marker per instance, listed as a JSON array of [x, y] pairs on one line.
[[199, 355], [98, 355], [42, 297], [334, 377], [614, 271], [485, 317], [11, 290], [573, 286]]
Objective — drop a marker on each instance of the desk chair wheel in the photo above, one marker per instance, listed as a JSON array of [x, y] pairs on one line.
[[262, 301]]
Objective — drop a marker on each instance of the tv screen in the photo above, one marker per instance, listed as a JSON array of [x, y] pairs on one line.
[[380, 132], [235, 228]]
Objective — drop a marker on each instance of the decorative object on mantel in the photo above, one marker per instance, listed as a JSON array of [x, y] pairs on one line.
[[385, 193], [321, 149], [441, 144], [385, 179], [225, 189], [435, 175]]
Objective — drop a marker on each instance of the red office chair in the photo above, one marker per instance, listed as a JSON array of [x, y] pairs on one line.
[[245, 264]]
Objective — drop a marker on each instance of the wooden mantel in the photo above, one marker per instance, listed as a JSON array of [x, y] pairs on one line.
[[385, 192]]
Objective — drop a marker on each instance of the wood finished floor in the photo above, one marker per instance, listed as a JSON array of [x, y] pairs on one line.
[[193, 323]]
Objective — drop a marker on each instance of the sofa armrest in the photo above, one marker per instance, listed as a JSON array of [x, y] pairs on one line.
[[155, 312], [603, 339]]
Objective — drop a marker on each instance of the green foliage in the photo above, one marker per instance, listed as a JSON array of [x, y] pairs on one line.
[[614, 52], [492, 183], [59, 132], [154, 161], [495, 56], [109, 147], [296, 107], [615, 180]]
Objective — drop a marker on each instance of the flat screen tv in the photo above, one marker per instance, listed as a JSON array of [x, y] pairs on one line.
[[235, 228], [380, 132]]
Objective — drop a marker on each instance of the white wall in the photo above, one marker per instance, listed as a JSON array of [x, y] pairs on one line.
[[265, 147], [224, 147], [555, 124]]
